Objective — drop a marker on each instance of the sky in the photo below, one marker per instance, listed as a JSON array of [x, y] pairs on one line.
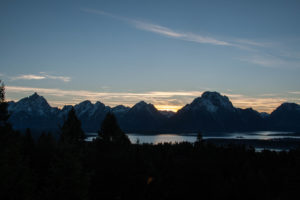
[[165, 52]]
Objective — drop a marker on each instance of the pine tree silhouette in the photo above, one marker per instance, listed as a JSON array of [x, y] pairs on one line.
[[71, 130], [3, 106], [111, 132]]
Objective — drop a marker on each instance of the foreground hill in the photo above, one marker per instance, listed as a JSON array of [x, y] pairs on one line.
[[210, 112]]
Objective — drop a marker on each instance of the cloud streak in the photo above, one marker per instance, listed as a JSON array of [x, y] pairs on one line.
[[163, 100], [40, 76], [178, 35], [162, 30], [276, 59], [28, 77]]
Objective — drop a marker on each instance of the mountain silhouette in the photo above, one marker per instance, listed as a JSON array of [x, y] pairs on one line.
[[210, 112], [285, 117]]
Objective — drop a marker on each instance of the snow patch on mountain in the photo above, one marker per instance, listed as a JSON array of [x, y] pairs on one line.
[[211, 102], [33, 104]]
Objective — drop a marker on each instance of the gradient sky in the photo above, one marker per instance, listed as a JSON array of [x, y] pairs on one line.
[[164, 52]]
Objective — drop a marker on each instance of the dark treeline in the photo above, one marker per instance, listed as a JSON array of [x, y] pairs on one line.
[[110, 167]]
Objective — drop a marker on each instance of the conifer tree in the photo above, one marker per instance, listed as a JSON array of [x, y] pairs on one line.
[[110, 131], [71, 130], [3, 105], [2, 92]]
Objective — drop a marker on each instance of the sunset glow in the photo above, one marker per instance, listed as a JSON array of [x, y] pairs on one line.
[[168, 107]]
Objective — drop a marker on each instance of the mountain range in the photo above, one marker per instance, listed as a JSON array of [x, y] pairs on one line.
[[212, 112]]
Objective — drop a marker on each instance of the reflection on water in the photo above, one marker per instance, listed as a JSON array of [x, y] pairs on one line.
[[257, 149], [153, 139], [173, 138], [161, 138], [256, 135]]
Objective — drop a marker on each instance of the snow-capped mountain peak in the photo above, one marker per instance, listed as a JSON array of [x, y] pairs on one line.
[[217, 99], [32, 104], [88, 108], [211, 102], [211, 111]]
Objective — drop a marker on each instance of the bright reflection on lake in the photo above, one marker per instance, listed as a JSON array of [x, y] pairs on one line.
[[173, 138], [161, 138]]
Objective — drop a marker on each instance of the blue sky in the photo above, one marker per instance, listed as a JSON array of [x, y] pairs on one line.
[[163, 52]]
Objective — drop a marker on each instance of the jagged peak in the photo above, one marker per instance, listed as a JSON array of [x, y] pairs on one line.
[[99, 103], [210, 93], [36, 96], [86, 102], [34, 99], [84, 106], [215, 96], [33, 104], [142, 105]]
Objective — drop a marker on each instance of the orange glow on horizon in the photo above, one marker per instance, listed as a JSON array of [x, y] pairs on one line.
[[168, 107]]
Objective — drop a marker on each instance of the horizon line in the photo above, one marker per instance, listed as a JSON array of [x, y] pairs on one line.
[[163, 101]]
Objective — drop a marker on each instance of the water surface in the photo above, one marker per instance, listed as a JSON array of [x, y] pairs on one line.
[[191, 137]]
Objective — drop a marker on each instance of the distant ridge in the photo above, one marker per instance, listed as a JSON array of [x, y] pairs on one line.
[[210, 112]]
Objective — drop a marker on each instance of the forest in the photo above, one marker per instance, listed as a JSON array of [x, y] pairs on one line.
[[110, 167]]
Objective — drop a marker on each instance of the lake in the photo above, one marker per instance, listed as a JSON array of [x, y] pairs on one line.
[[191, 137]]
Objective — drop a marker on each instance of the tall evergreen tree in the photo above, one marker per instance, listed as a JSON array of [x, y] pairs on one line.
[[3, 105], [110, 131], [2, 92], [71, 130]]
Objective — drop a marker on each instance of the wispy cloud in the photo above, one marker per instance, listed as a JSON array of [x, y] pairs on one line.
[[262, 104], [61, 78], [253, 43], [162, 30], [166, 100], [156, 29], [245, 44], [27, 77], [276, 59], [40, 76], [178, 35]]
